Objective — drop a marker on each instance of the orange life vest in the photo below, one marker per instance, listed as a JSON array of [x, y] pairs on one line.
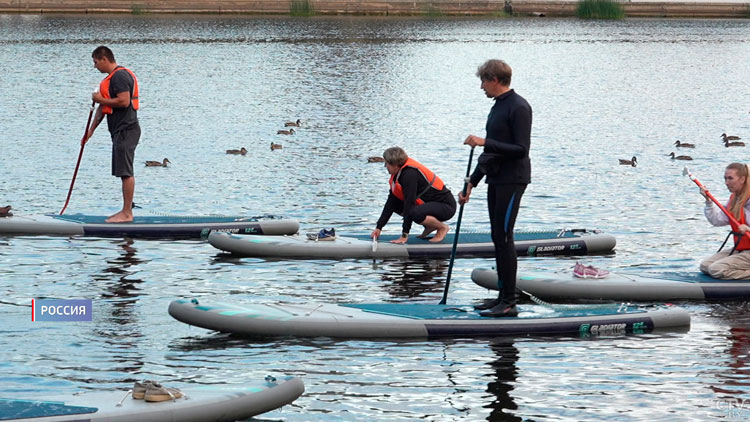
[[104, 90], [431, 178], [741, 243]]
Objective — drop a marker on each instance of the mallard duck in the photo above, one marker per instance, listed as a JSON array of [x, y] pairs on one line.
[[295, 124], [276, 146], [241, 151], [679, 144], [632, 162], [725, 138], [5, 211], [158, 163], [286, 132], [733, 144], [375, 159], [680, 157]]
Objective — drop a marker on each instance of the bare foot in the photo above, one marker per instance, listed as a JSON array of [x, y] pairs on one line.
[[440, 235], [120, 217], [426, 233]]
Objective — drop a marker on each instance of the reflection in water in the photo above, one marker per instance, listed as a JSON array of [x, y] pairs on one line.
[[506, 372], [122, 330], [736, 378], [413, 279]]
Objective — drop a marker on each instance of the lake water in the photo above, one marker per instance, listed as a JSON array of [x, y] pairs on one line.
[[600, 91]]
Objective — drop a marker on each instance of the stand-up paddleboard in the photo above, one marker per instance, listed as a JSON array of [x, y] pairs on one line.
[[622, 286], [157, 227], [528, 243], [394, 320], [201, 404]]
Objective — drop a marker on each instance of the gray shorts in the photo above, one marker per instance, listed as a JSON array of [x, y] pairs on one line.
[[123, 151]]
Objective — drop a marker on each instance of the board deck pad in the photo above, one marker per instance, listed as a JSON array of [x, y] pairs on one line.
[[160, 219], [20, 409], [441, 312]]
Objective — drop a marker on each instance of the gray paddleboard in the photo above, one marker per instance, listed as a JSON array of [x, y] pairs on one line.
[[622, 286], [393, 320], [199, 404], [560, 242], [163, 227]]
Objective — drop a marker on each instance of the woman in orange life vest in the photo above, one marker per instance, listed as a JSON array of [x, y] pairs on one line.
[[733, 264], [417, 194]]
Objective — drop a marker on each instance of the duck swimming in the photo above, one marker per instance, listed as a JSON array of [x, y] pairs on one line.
[[725, 138], [162, 163], [632, 162], [296, 124], [285, 132], [733, 144], [241, 151], [680, 157], [5, 211], [679, 144], [375, 159], [276, 146]]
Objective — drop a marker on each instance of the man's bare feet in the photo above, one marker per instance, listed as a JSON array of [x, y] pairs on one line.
[[426, 233], [440, 235], [120, 217]]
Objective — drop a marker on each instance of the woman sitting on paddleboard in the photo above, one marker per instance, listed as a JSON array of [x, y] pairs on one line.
[[417, 194], [735, 263]]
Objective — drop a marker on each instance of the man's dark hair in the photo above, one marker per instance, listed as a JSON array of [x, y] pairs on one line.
[[103, 52]]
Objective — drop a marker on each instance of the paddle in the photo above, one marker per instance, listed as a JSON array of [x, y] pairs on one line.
[[686, 172], [458, 230], [80, 154]]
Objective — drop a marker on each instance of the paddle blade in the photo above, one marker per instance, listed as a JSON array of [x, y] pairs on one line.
[[685, 171]]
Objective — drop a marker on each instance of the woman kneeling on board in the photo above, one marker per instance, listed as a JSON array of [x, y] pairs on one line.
[[733, 264], [417, 194]]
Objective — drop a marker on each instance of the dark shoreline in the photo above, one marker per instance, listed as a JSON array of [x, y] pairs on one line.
[[375, 8]]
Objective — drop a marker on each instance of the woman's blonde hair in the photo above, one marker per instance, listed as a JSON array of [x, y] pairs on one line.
[[738, 200]]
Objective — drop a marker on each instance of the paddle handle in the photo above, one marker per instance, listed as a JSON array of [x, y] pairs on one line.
[[80, 155], [716, 201], [458, 230]]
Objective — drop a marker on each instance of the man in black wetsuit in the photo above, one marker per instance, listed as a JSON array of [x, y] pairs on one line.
[[418, 195], [505, 162]]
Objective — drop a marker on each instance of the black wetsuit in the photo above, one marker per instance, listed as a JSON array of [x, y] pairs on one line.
[[437, 203], [505, 162]]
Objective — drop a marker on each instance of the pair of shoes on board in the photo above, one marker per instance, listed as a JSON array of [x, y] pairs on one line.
[[502, 309], [588, 271], [5, 211], [152, 391], [323, 234]]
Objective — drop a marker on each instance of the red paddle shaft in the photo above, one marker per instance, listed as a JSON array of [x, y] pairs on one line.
[[80, 155], [711, 197]]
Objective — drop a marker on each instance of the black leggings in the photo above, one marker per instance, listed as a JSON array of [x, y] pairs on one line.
[[503, 202], [440, 210]]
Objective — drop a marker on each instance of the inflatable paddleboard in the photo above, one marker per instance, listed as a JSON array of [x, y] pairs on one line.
[[622, 286], [395, 320], [528, 243], [159, 227], [200, 404]]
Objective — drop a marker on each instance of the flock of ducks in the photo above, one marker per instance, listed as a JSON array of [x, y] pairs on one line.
[[290, 125], [241, 151], [729, 141]]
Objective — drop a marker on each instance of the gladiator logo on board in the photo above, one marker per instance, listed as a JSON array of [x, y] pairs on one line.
[[602, 329], [546, 250]]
